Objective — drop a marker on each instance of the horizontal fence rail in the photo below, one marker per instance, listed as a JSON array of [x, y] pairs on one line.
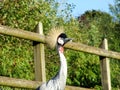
[[92, 50], [71, 45], [20, 83], [22, 34]]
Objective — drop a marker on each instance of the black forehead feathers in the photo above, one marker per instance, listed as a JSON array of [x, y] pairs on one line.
[[63, 35]]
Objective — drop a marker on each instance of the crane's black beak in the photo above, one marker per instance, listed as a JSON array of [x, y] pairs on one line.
[[67, 40]]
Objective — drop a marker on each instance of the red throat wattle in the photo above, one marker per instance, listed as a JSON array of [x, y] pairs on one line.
[[61, 49]]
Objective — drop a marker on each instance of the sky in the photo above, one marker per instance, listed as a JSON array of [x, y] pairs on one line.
[[83, 5]]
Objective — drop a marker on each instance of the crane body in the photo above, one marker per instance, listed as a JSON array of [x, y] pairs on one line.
[[59, 81]]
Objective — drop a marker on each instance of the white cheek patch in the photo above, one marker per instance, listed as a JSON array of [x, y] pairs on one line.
[[60, 41]]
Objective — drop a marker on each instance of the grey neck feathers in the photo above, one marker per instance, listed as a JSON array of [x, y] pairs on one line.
[[62, 74]]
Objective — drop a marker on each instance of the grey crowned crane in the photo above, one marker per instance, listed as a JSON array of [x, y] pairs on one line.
[[57, 38]]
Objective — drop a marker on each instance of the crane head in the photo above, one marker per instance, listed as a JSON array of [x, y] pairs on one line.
[[62, 39], [56, 36]]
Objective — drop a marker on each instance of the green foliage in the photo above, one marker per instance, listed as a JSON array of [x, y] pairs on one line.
[[12, 60], [25, 14], [82, 69]]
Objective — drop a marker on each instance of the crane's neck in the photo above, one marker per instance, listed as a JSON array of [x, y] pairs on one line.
[[63, 64]]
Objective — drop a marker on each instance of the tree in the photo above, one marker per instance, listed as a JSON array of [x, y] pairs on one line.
[[96, 25], [115, 10]]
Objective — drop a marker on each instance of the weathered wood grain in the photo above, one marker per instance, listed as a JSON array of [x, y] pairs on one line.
[[105, 68], [39, 57]]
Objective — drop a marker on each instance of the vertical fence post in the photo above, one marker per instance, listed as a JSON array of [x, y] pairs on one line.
[[39, 57], [105, 68]]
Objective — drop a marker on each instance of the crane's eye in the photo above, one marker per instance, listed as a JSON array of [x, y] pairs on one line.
[[60, 41]]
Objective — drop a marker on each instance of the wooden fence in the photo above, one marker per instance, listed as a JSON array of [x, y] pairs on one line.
[[38, 39]]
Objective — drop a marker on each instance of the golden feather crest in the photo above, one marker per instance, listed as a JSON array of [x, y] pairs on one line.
[[52, 36]]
